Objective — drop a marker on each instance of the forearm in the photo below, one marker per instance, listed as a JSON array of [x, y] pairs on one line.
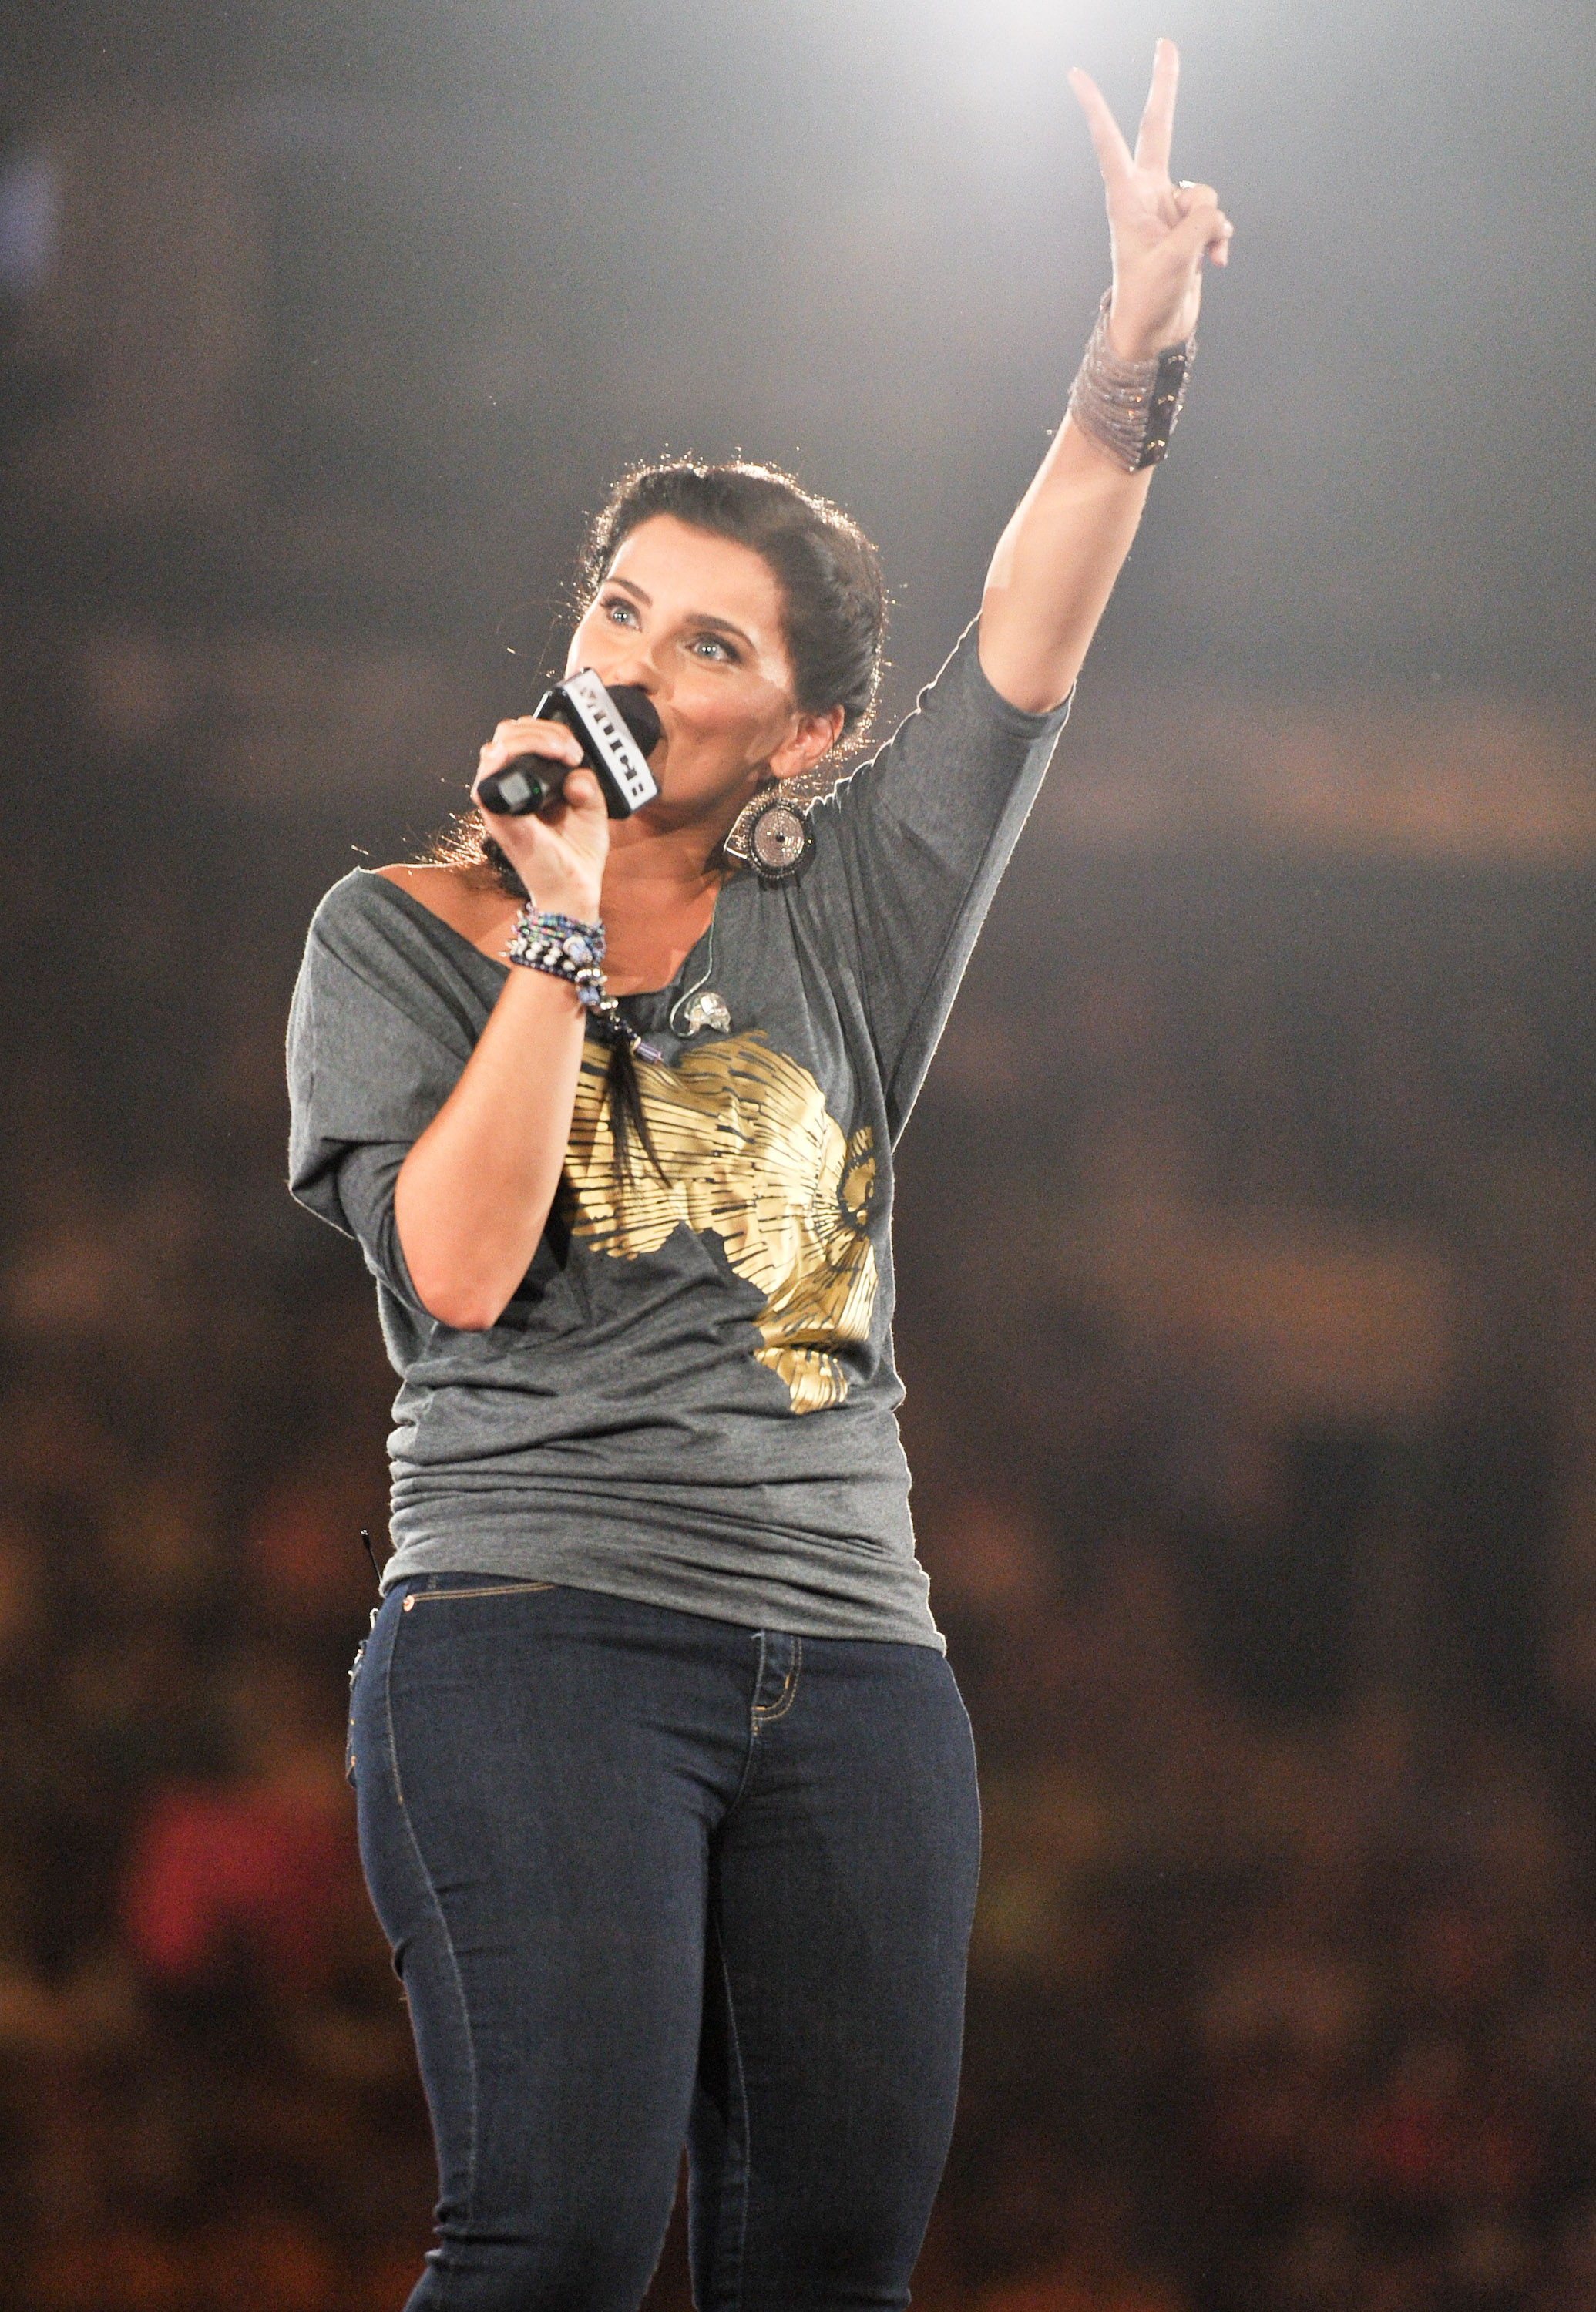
[[475, 1191], [1055, 568], [1056, 562]]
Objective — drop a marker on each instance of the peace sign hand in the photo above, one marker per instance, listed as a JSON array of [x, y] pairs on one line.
[[1159, 232]]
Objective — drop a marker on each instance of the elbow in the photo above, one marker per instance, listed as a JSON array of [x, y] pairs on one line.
[[1035, 675], [468, 1316], [464, 1303], [447, 1279], [462, 1275], [462, 1307]]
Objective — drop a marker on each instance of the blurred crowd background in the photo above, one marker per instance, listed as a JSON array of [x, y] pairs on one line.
[[1247, 1246]]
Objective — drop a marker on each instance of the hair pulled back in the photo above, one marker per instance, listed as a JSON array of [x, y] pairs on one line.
[[834, 607]]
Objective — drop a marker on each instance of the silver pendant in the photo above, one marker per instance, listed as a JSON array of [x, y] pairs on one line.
[[708, 1010]]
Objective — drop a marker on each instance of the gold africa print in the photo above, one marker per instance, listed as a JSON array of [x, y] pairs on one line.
[[750, 1153]]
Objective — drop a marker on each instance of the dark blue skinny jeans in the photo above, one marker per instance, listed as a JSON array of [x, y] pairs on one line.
[[649, 1878]]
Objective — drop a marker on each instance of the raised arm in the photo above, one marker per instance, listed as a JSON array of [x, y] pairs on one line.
[[1056, 562]]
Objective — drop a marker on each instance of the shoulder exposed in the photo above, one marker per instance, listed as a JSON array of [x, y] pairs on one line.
[[422, 880], [366, 893], [470, 900], [361, 907]]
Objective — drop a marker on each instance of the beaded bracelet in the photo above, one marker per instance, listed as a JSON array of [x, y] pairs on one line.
[[1129, 408], [562, 946], [573, 951]]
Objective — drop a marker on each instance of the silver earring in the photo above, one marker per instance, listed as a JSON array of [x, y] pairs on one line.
[[773, 837]]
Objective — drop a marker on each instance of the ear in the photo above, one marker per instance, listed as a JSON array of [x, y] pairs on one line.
[[809, 737]]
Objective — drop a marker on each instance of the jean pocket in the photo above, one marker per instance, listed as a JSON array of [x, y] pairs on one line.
[[413, 1598]]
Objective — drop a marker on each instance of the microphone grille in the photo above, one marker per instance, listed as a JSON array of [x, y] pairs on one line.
[[636, 709]]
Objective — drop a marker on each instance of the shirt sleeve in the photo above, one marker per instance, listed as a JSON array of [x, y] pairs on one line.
[[910, 851], [373, 1055]]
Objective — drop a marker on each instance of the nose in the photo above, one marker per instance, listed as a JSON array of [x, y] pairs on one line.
[[630, 664]]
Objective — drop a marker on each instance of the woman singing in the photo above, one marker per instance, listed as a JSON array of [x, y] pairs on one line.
[[667, 1800]]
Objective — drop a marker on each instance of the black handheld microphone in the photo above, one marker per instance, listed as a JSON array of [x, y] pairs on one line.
[[619, 730]]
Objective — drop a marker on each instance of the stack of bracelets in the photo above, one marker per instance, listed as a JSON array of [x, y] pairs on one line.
[[1129, 408], [575, 952]]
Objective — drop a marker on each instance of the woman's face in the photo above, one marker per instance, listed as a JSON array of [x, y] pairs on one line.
[[696, 621]]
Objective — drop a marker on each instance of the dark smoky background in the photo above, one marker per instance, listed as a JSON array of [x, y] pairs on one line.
[[1247, 1250]]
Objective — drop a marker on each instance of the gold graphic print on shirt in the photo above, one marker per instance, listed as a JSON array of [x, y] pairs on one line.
[[750, 1153]]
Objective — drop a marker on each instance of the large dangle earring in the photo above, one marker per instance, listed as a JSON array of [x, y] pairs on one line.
[[772, 836]]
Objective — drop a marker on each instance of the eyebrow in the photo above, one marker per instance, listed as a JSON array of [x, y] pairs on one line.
[[693, 618]]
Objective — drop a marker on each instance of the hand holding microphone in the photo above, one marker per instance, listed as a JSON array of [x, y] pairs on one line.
[[550, 781], [616, 731]]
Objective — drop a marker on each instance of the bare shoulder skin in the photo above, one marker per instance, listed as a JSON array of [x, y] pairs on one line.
[[468, 900]]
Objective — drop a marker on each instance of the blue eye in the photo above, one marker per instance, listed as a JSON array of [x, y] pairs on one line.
[[618, 609]]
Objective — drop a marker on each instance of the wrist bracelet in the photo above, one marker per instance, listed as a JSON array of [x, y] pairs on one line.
[[573, 951], [1130, 408], [561, 946]]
